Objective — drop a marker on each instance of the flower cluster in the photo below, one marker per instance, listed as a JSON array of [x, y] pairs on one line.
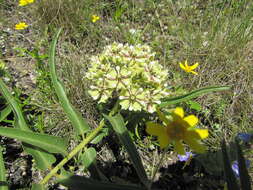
[[178, 129], [130, 72]]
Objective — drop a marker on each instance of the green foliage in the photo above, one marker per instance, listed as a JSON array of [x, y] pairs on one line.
[[46, 142], [43, 159], [79, 123], [191, 95], [5, 112], [118, 125], [88, 157]]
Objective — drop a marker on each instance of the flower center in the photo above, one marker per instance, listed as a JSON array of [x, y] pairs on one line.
[[176, 131]]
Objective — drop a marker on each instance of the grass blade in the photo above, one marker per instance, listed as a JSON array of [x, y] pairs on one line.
[[48, 143], [5, 112], [244, 175], [119, 127], [3, 182], [229, 175], [191, 95], [80, 183], [80, 124]]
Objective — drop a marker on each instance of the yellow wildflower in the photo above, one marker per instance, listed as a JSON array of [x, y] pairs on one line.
[[95, 18], [177, 130], [21, 26], [189, 69], [25, 2]]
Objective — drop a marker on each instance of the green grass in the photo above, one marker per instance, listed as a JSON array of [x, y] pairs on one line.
[[217, 34]]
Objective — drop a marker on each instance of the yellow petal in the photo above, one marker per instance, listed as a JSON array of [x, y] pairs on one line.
[[195, 145], [193, 72], [197, 134], [194, 66], [203, 133], [179, 112], [155, 129], [162, 117], [192, 120], [163, 140], [186, 64], [179, 148], [182, 66]]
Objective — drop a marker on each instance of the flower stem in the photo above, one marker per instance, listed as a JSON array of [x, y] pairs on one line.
[[73, 152]]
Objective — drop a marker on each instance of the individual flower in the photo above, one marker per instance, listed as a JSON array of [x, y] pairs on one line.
[[94, 18], [21, 26], [235, 167], [187, 68], [25, 2], [177, 130], [186, 157], [246, 137]]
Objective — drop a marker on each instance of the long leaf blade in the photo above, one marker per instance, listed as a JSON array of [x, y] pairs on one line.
[[119, 127], [81, 183], [244, 175], [191, 95], [3, 181], [80, 124], [49, 143], [229, 175]]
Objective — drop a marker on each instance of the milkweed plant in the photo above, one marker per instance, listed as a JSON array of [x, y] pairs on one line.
[[134, 76]]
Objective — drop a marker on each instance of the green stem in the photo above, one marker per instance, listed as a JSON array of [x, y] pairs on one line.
[[73, 153], [157, 168], [79, 147]]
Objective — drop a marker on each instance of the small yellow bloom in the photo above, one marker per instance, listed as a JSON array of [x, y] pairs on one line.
[[177, 130], [95, 18], [25, 2], [21, 26], [189, 69]]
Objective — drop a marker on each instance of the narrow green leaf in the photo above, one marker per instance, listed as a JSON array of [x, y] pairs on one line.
[[3, 182], [89, 157], [119, 127], [80, 124], [81, 183], [15, 106], [229, 175], [5, 112], [38, 187], [243, 172], [46, 142], [191, 95]]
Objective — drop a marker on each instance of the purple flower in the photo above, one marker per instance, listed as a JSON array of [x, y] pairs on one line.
[[186, 157], [246, 137], [235, 167]]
